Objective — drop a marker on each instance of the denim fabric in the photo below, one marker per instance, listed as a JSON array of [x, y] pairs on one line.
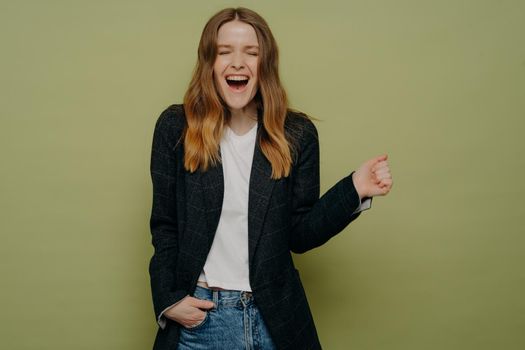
[[234, 324]]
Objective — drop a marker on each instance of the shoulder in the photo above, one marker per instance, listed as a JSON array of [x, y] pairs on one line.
[[171, 123], [301, 132], [172, 117], [300, 126]]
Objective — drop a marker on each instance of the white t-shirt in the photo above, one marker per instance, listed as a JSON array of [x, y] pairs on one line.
[[227, 262]]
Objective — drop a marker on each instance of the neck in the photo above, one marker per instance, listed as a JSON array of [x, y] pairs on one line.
[[244, 116], [248, 112], [243, 119]]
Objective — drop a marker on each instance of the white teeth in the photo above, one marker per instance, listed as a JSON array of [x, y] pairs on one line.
[[237, 77]]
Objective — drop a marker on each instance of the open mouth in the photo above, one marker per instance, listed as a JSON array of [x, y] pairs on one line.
[[237, 82]]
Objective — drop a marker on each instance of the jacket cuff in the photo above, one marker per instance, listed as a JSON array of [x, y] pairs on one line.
[[161, 319], [170, 300], [350, 195], [366, 203]]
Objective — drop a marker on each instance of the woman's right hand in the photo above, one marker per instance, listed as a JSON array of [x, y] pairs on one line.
[[188, 312]]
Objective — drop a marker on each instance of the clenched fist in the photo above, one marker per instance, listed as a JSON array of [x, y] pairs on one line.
[[373, 177]]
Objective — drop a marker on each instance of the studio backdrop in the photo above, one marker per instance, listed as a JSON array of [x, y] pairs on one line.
[[439, 86]]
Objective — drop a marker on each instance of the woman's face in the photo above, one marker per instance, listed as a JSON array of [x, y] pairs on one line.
[[235, 68]]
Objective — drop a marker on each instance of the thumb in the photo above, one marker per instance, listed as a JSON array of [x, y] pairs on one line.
[[381, 157], [373, 161], [204, 304]]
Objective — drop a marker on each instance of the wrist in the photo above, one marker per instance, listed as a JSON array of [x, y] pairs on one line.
[[358, 187]]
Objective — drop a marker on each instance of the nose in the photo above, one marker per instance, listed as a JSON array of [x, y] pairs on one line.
[[237, 61]]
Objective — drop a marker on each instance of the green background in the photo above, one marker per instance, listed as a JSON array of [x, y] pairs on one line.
[[437, 85]]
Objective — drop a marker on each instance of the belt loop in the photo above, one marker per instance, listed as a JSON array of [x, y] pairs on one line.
[[216, 298]]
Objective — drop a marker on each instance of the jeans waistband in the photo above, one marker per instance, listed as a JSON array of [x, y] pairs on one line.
[[233, 298]]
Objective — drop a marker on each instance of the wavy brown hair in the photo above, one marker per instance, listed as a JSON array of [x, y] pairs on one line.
[[206, 112]]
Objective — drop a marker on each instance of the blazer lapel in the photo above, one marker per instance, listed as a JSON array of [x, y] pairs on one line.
[[212, 182], [261, 186], [260, 190]]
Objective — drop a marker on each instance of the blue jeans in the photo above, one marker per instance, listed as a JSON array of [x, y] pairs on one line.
[[235, 323]]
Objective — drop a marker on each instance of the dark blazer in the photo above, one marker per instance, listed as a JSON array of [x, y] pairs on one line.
[[284, 216]]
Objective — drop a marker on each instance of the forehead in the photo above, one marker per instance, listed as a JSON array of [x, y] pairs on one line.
[[236, 33]]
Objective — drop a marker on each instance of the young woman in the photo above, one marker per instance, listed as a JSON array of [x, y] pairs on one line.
[[235, 177]]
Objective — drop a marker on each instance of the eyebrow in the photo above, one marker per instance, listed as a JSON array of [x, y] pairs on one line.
[[247, 46]]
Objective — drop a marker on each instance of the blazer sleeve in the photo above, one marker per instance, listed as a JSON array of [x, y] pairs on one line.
[[163, 219], [315, 220], [161, 320]]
